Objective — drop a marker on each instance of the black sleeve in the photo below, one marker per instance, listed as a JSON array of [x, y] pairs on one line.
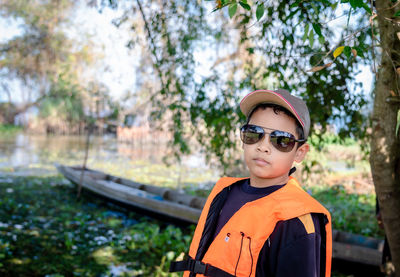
[[290, 251]]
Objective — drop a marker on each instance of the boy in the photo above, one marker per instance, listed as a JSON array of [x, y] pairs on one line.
[[265, 225]]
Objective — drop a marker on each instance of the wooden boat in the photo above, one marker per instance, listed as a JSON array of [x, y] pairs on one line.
[[187, 208], [159, 200]]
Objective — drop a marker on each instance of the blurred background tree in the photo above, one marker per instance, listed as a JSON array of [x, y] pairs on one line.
[[51, 65]]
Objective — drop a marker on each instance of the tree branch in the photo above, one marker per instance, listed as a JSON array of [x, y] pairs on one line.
[[152, 43]]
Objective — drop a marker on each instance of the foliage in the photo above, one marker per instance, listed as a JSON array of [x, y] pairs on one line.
[[351, 212], [40, 51], [64, 101], [298, 35], [44, 231], [47, 61], [321, 141], [7, 129], [275, 49]]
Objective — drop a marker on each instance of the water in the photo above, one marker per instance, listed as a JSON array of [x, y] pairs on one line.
[[25, 154]]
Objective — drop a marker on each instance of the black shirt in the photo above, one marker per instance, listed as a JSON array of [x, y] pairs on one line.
[[290, 250]]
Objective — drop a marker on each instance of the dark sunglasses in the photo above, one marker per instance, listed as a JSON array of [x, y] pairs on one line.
[[283, 141]]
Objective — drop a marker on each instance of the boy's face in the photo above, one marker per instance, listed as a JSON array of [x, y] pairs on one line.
[[267, 165]]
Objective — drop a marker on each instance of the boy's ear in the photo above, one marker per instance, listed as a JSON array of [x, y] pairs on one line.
[[301, 152]]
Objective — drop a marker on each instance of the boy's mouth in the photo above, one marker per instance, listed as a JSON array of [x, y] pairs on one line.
[[260, 161]]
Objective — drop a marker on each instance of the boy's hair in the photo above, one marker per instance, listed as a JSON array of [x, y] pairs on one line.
[[277, 109]]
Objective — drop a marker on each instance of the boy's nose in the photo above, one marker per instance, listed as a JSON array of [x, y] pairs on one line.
[[264, 145]]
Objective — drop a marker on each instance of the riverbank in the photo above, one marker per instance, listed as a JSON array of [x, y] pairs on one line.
[[8, 129]]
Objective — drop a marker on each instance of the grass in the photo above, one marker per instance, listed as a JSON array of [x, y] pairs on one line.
[[9, 130], [351, 212]]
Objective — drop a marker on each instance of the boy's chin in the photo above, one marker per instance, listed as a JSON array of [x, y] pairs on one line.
[[269, 177]]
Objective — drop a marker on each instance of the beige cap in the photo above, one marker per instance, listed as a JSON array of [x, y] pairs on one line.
[[279, 97]]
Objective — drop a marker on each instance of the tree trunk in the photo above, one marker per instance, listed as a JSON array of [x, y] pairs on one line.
[[385, 150]]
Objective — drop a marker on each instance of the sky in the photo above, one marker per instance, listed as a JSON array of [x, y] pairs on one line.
[[8, 29], [120, 61]]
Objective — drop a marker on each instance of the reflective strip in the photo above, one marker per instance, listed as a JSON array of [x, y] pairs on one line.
[[308, 223]]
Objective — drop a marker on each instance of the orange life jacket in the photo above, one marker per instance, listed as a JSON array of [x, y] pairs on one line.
[[236, 248]]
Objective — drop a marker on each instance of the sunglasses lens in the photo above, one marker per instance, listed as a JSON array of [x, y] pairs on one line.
[[282, 141], [251, 134]]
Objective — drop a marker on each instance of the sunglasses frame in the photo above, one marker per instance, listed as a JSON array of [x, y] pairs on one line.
[[276, 145]]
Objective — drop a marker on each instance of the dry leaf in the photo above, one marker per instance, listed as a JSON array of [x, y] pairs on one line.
[[354, 51], [398, 70], [319, 68], [398, 35], [392, 93], [316, 68]]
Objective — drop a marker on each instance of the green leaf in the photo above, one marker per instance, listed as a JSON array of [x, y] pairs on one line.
[[367, 8], [347, 51], [245, 5], [398, 123], [356, 3], [232, 10], [349, 16], [311, 38], [305, 36], [353, 4], [250, 50], [316, 58], [260, 11], [292, 14], [315, 8], [317, 29], [321, 40], [397, 14], [334, 5], [360, 51]]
